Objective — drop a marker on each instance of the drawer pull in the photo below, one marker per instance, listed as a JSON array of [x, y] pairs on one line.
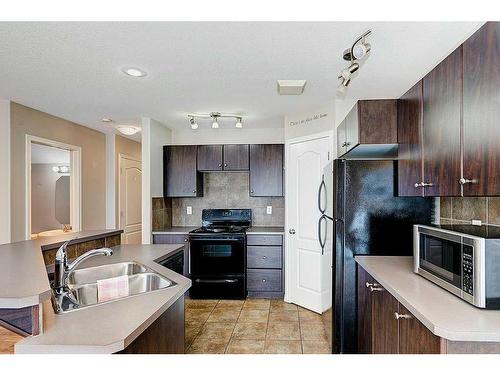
[[263, 280], [264, 257], [375, 289], [401, 316]]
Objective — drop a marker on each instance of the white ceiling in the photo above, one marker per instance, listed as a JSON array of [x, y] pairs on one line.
[[41, 154], [73, 70]]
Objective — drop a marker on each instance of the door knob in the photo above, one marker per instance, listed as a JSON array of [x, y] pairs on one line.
[[401, 316], [291, 231]]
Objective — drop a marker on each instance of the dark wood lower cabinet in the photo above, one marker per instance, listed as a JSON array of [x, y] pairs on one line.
[[384, 324], [386, 327], [364, 312], [414, 337], [164, 336]]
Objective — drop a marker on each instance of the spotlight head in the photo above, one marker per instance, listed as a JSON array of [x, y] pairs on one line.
[[193, 123], [239, 125], [215, 123]]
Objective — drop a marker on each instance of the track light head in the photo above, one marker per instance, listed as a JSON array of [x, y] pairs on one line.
[[239, 125], [193, 123], [215, 123]]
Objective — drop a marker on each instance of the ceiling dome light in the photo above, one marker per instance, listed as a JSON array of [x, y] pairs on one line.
[[239, 125], [215, 124], [128, 129], [135, 72], [194, 125], [360, 50]]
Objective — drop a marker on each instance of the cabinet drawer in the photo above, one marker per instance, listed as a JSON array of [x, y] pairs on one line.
[[264, 256], [264, 280], [170, 238], [263, 240]]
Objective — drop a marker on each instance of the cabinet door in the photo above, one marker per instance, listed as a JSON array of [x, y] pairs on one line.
[[481, 111], [352, 128], [341, 139], [210, 158], [378, 121], [410, 161], [364, 311], [236, 157], [266, 170], [442, 93], [414, 337], [384, 323], [180, 175]]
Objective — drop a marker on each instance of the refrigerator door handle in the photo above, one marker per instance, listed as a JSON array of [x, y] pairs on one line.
[[321, 239], [322, 186]]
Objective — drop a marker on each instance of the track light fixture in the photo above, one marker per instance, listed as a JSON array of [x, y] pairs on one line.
[[358, 51], [214, 116]]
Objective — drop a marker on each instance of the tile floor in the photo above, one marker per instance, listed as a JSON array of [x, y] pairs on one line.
[[253, 326]]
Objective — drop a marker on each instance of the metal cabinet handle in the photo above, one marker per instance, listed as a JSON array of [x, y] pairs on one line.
[[264, 257], [464, 181], [225, 164], [423, 184], [291, 231], [185, 240], [263, 280], [375, 289], [344, 144], [194, 191], [220, 164], [370, 285], [398, 316]]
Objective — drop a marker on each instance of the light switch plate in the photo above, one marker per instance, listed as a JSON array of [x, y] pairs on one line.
[[189, 210], [269, 210]]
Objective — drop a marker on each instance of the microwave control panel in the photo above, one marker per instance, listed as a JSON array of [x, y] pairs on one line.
[[467, 270]]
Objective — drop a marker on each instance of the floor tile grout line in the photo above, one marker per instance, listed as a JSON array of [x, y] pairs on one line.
[[234, 328], [202, 325]]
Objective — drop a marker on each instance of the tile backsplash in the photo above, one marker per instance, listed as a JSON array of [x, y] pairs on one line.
[[463, 210], [161, 213], [228, 190]]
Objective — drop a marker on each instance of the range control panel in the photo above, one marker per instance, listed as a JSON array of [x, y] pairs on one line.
[[467, 270]]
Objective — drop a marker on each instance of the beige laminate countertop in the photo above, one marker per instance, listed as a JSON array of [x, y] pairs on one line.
[[441, 312], [251, 230], [110, 327], [23, 276]]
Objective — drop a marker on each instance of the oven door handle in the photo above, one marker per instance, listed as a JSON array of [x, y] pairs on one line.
[[191, 239], [216, 281]]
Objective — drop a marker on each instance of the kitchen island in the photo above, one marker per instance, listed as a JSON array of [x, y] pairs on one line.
[[401, 312], [125, 325]]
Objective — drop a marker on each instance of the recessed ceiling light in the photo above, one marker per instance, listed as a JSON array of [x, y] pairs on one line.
[[291, 86], [106, 119], [135, 72], [128, 129]]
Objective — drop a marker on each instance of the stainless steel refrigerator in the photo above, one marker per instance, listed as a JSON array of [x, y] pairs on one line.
[[368, 218]]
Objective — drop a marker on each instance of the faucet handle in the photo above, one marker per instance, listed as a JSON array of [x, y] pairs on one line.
[[61, 252]]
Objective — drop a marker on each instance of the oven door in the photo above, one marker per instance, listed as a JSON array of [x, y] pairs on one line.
[[440, 254], [214, 256]]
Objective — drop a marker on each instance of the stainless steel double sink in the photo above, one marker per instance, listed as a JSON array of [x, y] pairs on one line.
[[82, 286]]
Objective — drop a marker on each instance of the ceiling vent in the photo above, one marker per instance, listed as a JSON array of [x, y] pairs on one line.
[[291, 86]]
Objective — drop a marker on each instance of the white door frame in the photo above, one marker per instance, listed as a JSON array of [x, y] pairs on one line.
[[288, 144], [120, 158], [75, 181]]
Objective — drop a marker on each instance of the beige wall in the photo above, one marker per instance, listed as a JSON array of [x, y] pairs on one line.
[[26, 120], [126, 147]]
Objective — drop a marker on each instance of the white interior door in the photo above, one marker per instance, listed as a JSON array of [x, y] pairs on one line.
[[130, 198], [308, 284]]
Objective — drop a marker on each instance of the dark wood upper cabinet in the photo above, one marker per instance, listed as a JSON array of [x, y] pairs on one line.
[[481, 112], [236, 157], [266, 170], [364, 311], [368, 123], [210, 158], [410, 122], [180, 174], [384, 324], [442, 95], [414, 337]]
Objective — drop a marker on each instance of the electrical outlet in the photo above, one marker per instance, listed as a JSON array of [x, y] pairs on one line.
[[269, 210], [189, 210]]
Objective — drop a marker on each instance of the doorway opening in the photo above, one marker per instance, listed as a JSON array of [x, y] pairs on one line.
[[52, 188]]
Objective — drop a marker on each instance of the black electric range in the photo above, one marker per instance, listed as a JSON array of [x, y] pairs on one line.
[[217, 254]]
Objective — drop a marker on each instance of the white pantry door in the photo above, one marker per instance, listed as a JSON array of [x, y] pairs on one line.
[[307, 285], [130, 200]]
